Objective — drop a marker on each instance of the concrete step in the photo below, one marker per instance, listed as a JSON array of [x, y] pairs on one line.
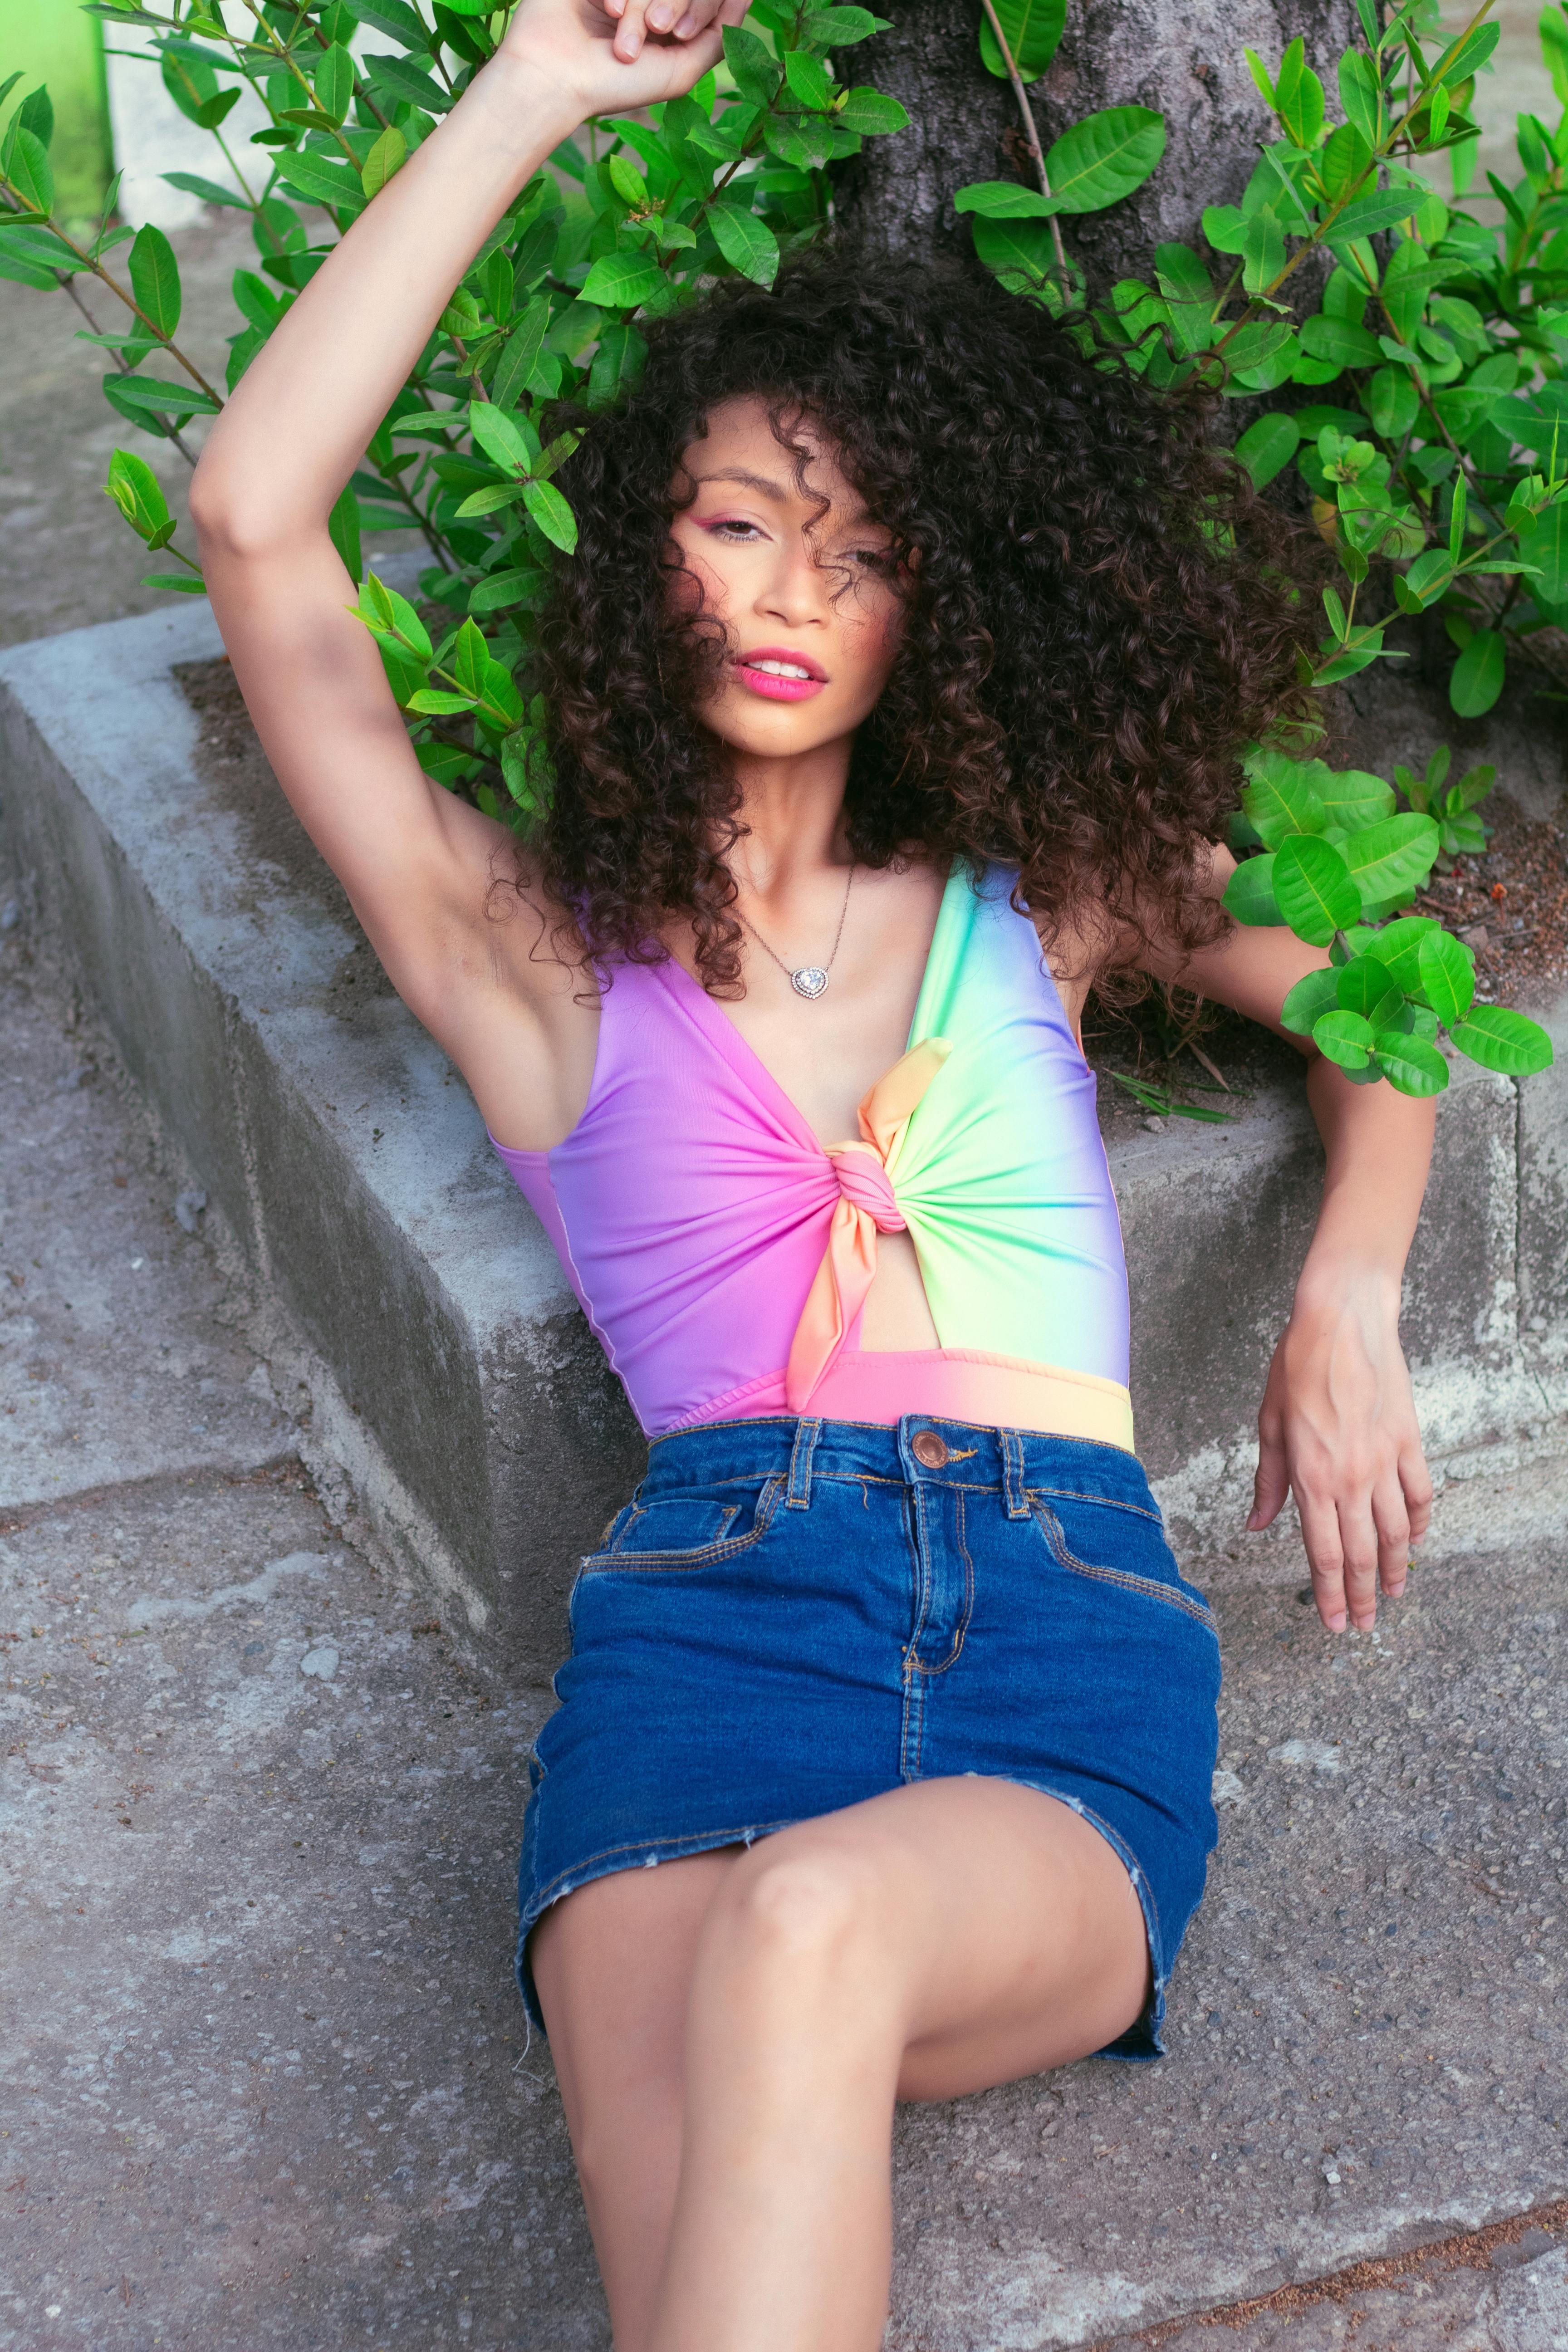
[[416, 1298]]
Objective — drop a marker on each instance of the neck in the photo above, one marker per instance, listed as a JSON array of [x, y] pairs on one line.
[[792, 811]]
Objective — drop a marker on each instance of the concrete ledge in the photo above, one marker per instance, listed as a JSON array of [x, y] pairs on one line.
[[412, 1293]]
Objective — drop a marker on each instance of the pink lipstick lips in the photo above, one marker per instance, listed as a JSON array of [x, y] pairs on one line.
[[780, 674]]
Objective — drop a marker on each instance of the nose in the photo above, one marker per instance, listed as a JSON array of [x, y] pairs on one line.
[[796, 589]]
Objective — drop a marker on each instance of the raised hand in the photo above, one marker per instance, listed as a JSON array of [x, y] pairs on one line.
[[623, 54]]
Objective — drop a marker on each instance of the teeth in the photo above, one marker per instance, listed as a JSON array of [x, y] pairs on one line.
[[780, 670]]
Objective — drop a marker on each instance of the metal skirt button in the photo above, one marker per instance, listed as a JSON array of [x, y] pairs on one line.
[[930, 1449]]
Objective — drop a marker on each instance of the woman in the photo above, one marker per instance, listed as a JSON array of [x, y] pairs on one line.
[[896, 692]]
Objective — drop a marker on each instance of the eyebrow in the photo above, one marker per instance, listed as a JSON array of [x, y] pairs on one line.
[[770, 490]]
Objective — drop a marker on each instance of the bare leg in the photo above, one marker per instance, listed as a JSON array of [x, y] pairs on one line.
[[938, 1939]]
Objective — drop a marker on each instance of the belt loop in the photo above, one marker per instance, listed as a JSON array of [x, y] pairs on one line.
[[1013, 1474], [805, 1436]]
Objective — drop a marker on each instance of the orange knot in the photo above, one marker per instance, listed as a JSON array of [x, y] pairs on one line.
[[864, 1183]]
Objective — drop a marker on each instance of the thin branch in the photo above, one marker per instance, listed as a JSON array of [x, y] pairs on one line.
[[118, 359], [1031, 134]]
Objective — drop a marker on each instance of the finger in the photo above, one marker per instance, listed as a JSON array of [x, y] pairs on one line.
[[629, 33], [1392, 1521], [1320, 1533], [1417, 1482], [693, 16], [1272, 1481], [1358, 1545]]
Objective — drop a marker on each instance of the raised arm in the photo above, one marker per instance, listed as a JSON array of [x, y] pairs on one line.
[[1338, 1424], [416, 861]]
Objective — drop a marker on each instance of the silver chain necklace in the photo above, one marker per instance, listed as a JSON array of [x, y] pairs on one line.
[[810, 979]]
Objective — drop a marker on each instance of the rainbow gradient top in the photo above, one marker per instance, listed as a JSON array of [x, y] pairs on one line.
[[723, 1254]]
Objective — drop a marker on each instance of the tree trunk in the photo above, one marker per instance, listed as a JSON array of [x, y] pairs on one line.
[[1182, 57]]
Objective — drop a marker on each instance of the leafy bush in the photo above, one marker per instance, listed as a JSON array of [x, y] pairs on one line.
[[1415, 463]]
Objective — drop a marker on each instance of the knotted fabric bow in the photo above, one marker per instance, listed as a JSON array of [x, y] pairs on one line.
[[867, 1205]]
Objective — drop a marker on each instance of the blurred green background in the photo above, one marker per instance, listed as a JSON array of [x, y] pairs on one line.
[[55, 41]]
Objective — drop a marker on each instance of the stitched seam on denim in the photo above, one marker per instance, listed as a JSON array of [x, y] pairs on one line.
[[696, 1839], [1145, 1584], [962, 1628], [1075, 1494], [911, 1727], [705, 1556], [1142, 1885], [916, 1501]]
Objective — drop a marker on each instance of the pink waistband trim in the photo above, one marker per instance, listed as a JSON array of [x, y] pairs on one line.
[[948, 1383]]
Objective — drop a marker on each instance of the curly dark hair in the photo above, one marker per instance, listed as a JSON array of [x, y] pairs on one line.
[[1097, 618]]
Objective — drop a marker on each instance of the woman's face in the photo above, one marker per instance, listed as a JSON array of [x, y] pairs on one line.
[[784, 553]]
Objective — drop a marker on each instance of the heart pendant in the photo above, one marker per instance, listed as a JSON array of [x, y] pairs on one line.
[[809, 981]]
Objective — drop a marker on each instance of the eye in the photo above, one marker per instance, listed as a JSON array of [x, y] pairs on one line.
[[731, 528]]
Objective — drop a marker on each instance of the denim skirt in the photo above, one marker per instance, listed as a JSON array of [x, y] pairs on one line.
[[791, 1616]]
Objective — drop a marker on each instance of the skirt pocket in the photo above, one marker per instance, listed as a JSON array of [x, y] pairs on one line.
[[676, 1530], [1118, 1548]]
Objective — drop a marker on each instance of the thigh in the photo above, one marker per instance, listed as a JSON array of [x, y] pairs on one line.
[[612, 1964], [1003, 1930]]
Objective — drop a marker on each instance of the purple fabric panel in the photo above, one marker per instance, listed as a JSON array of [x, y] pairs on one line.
[[690, 1203]]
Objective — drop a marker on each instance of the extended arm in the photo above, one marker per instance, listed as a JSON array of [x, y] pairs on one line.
[[416, 861], [1338, 1422]]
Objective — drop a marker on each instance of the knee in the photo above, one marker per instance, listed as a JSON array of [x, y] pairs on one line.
[[797, 1912]]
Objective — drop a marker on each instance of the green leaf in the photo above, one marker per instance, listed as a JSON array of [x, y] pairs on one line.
[[409, 82], [1310, 1000], [1031, 28], [489, 501], [334, 81], [1338, 339], [1392, 402], [391, 618], [1018, 253], [136, 491], [1346, 1038], [1253, 346], [756, 76], [141, 396], [747, 243], [343, 527], [1410, 1064], [622, 281], [1397, 947], [1391, 860], [1369, 215], [1447, 969], [185, 584], [155, 279], [1477, 678], [1249, 893], [1504, 1041], [384, 163], [871, 113], [552, 513], [436, 702], [514, 369], [1004, 200], [1262, 251], [1429, 575], [805, 79], [394, 16], [1225, 226], [192, 184], [501, 589], [1105, 157], [1280, 800], [509, 444], [1298, 98], [1546, 544], [321, 182], [24, 163], [1361, 96], [1367, 986], [1345, 161], [1315, 892], [1351, 798], [1464, 57], [1267, 448]]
